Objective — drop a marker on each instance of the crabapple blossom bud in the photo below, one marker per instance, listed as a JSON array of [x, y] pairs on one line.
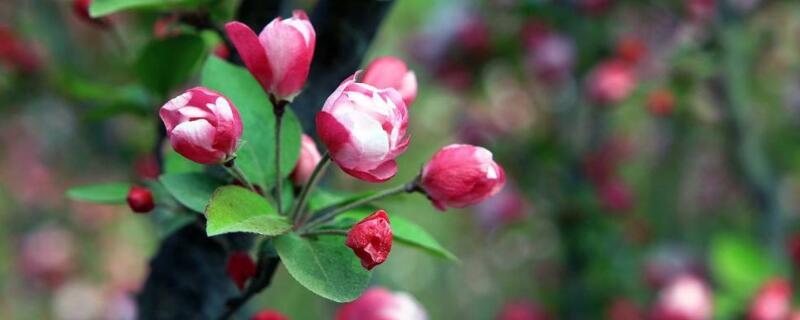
[[611, 82], [140, 199], [460, 175], [631, 49], [793, 248], [269, 315], [308, 160], [202, 125], [391, 72], [240, 268], [16, 54], [615, 195], [378, 303], [685, 298], [364, 129], [772, 302], [221, 51], [371, 239], [550, 56], [81, 10], [661, 102], [280, 56]]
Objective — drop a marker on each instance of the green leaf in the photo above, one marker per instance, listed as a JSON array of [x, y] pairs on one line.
[[111, 193], [739, 264], [324, 265], [405, 232], [101, 8], [256, 155], [166, 63], [236, 209], [176, 163], [192, 190]]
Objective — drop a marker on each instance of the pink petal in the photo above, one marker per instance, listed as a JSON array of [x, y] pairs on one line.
[[251, 51]]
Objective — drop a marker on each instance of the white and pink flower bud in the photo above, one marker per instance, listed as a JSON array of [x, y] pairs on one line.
[[550, 56], [308, 160], [202, 125], [379, 303], [611, 82], [391, 72], [460, 175], [685, 298], [772, 302], [280, 56], [364, 129]]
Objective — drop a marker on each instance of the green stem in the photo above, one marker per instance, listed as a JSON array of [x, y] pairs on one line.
[[279, 108], [312, 182], [336, 232], [237, 173], [322, 217]]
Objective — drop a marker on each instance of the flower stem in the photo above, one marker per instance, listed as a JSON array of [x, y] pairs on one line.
[[278, 108], [302, 199], [336, 232], [237, 173], [322, 217]]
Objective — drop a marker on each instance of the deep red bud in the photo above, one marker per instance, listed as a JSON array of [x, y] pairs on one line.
[[371, 239], [661, 102], [140, 199], [222, 51], [631, 49], [269, 315], [240, 268], [81, 9]]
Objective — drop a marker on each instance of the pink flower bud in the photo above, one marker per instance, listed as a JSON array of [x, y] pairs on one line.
[[371, 239], [308, 160], [240, 268], [269, 315], [611, 82], [202, 125], [364, 129], [381, 304], [772, 302], [624, 309], [391, 72], [140, 200], [460, 175], [685, 298], [280, 56], [615, 195], [81, 10], [550, 56]]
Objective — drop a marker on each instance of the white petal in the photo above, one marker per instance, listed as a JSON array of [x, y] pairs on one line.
[[178, 102], [198, 132], [222, 109]]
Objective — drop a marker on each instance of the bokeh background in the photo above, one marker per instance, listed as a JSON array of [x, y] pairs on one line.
[[643, 140]]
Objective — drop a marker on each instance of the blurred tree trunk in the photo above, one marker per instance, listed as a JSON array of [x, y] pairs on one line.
[[187, 277]]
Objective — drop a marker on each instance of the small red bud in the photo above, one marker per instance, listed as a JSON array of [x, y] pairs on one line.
[[222, 51], [240, 268], [269, 315], [81, 9], [371, 239], [140, 199], [661, 102]]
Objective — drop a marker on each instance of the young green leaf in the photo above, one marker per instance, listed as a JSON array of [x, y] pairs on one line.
[[257, 152], [236, 209], [111, 193], [405, 232], [192, 190], [324, 265], [101, 8]]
